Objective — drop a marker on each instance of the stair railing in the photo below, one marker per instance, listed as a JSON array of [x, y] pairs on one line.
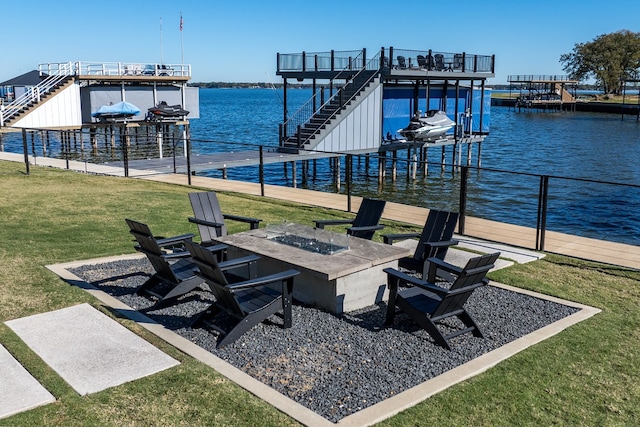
[[294, 124], [34, 94]]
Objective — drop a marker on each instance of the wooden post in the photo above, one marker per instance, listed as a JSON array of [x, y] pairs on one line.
[[394, 165], [294, 174]]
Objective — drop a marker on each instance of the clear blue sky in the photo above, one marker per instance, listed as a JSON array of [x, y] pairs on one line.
[[237, 41]]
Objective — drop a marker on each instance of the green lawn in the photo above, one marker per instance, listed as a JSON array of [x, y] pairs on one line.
[[586, 375]]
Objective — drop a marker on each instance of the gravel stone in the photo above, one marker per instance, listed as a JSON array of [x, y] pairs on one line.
[[334, 364]]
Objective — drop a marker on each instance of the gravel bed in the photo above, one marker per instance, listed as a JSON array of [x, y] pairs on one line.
[[333, 364]]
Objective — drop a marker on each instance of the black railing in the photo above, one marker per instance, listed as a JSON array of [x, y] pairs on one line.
[[475, 194]]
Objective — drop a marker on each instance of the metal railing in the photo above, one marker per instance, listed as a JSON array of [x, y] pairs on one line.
[[523, 78], [33, 94], [440, 61], [85, 68], [320, 61], [540, 198]]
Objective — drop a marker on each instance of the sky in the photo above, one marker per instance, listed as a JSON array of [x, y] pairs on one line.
[[237, 41]]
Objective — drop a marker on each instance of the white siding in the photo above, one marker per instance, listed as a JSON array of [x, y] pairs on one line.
[[63, 110], [360, 127]]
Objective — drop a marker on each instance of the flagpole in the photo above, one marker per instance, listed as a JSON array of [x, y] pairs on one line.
[[181, 41], [161, 49]]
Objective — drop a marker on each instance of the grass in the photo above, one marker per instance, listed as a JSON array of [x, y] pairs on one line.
[[586, 375]]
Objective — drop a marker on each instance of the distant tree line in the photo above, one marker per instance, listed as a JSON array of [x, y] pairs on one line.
[[610, 59], [249, 85]]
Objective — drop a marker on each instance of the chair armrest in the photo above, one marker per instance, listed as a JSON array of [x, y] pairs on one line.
[[443, 265], [253, 222], [264, 280], [237, 262], [169, 241], [366, 228], [320, 223], [205, 222], [405, 278], [390, 238], [444, 243]]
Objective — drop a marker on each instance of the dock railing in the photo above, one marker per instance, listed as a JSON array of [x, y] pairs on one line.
[[538, 197], [88, 68], [320, 61], [432, 60]]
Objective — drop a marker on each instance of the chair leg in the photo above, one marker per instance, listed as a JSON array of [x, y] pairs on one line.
[[183, 287], [424, 322], [466, 318], [392, 284], [150, 283]]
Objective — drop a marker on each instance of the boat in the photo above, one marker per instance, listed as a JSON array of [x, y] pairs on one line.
[[120, 110], [427, 128], [165, 110]]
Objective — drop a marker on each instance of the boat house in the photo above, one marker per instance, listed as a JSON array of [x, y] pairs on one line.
[[66, 96], [359, 103]]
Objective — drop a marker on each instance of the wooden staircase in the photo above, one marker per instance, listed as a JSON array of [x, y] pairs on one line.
[[305, 135]]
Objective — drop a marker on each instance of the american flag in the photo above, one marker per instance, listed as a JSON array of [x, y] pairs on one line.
[[180, 21]]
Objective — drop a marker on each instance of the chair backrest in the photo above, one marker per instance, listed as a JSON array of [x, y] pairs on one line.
[[457, 61], [438, 228], [210, 271], [422, 61], [205, 206], [148, 245], [402, 63], [439, 59], [467, 281], [138, 227], [369, 214]]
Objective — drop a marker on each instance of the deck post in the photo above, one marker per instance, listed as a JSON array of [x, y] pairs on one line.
[[442, 158], [261, 171], [26, 150], [463, 199], [415, 165], [425, 159], [348, 176], [394, 164], [294, 174]]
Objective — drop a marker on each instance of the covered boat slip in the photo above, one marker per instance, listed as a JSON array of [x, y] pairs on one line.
[[359, 103]]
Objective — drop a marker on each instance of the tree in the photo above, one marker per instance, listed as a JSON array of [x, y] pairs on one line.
[[609, 58]]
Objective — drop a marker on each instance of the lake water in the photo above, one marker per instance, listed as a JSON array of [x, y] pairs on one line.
[[590, 146]]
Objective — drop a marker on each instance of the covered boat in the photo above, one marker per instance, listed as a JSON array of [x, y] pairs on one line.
[[165, 110], [427, 128], [120, 110]]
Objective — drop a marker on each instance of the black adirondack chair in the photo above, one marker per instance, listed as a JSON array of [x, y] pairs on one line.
[[428, 304], [439, 61], [422, 61], [174, 242], [402, 62], [247, 302], [434, 241], [365, 224], [174, 270], [209, 217]]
